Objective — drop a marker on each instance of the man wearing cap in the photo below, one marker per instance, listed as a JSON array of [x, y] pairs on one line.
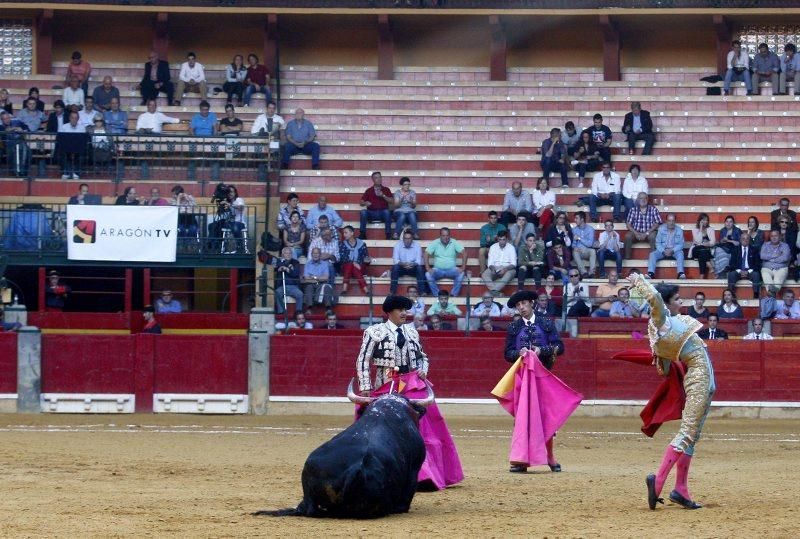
[[537, 333], [150, 324], [56, 293]]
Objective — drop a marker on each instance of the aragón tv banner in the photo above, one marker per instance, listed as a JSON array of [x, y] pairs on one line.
[[122, 233]]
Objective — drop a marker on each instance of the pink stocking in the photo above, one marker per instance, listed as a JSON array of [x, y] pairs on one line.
[[682, 479], [671, 456], [551, 459]]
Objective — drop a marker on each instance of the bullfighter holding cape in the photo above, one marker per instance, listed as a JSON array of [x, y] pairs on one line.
[[402, 366], [538, 400]]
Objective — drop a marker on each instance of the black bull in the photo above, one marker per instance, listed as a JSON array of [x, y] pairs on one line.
[[370, 469]]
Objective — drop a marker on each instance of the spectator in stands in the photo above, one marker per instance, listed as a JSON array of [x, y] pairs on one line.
[[128, 198], [295, 235], [606, 294], [577, 294], [703, 240], [729, 237], [669, 244], [643, 222], [606, 191], [501, 265], [187, 224], [570, 136], [331, 322], [102, 145], [544, 306], [758, 333], [486, 324], [230, 125], [167, 303], [5, 102], [554, 156], [74, 95], [31, 116], [443, 305], [299, 322], [530, 261], [638, 125], [317, 274], [268, 124], [152, 121], [519, 231], [287, 281], [775, 256], [87, 114], [103, 95], [788, 236], [56, 293], [191, 78], [441, 262], [235, 76], [320, 209], [738, 68], [84, 198], [438, 325], [487, 308], [609, 247], [729, 307], [407, 260], [150, 323], [79, 69], [155, 80], [204, 123], [788, 309], [71, 157], [552, 291], [34, 93], [155, 198], [516, 202], [766, 66], [698, 309], [56, 118], [634, 184], [790, 69], [236, 217], [488, 234], [623, 307], [405, 213], [745, 263], [585, 157], [257, 80], [583, 246], [601, 136], [116, 119], [712, 332], [418, 306], [419, 322], [300, 135], [354, 259], [544, 200], [559, 230], [375, 206], [328, 249], [559, 260], [18, 154], [292, 205], [782, 211], [755, 233]]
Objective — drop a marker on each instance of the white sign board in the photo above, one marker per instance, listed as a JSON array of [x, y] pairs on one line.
[[122, 233]]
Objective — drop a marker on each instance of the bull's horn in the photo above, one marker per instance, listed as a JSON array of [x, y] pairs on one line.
[[428, 399], [357, 399]]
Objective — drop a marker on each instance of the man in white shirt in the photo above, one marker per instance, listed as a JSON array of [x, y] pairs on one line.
[[192, 78], [577, 296], [609, 246], [268, 123], [606, 191], [87, 115], [73, 149], [502, 264], [634, 184], [74, 94], [152, 120], [758, 333], [738, 67], [486, 308]]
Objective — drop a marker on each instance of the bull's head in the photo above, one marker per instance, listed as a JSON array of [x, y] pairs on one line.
[[358, 399]]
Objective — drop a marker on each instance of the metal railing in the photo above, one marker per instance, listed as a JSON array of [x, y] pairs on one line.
[[203, 231], [121, 158], [445, 4]]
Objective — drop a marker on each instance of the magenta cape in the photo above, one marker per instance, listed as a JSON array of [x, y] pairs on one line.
[[442, 467], [540, 403]]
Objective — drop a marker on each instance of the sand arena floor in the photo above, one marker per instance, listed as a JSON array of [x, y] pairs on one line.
[[192, 476]]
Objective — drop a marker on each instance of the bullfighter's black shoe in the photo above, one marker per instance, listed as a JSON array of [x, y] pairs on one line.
[[518, 468], [652, 497], [678, 498], [555, 467]]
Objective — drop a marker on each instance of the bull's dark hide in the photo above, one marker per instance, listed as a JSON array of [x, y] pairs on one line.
[[367, 471]]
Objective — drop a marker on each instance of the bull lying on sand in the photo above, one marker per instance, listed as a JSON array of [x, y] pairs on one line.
[[370, 469]]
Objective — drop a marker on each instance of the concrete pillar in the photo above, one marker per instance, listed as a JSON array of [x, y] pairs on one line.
[[385, 48], [498, 50], [16, 313], [262, 325], [44, 42], [611, 49], [29, 370]]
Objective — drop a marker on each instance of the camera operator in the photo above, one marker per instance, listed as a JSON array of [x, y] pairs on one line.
[[230, 213], [56, 292]]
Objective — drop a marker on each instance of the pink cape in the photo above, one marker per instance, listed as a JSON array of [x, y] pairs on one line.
[[540, 403], [442, 467]]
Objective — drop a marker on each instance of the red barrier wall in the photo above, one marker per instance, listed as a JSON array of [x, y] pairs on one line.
[[8, 362], [87, 364], [313, 364], [133, 320]]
